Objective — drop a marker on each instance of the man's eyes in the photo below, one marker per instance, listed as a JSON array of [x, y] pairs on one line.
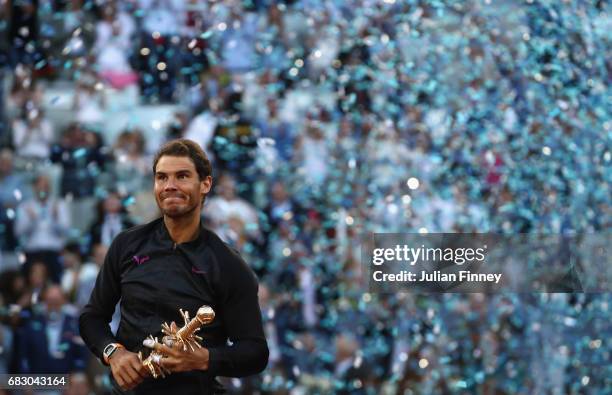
[[180, 177]]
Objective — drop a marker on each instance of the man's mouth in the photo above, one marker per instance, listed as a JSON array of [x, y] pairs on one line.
[[173, 197]]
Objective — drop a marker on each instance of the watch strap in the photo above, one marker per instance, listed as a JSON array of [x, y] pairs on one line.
[[108, 355]]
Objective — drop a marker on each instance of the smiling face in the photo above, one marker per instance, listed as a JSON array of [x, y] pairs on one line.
[[178, 189]]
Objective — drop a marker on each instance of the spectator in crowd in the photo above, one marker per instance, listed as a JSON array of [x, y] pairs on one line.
[[266, 301], [312, 154], [6, 343], [113, 47], [388, 155], [82, 157], [24, 89], [49, 341], [281, 242], [202, 128], [4, 133], [159, 63], [211, 91], [232, 217], [23, 32], [335, 120], [112, 218], [77, 29], [38, 279], [350, 368], [238, 40], [131, 164], [178, 126], [235, 141], [33, 133], [14, 190], [273, 34], [281, 206], [98, 253], [78, 384], [43, 224], [87, 275], [89, 100], [12, 286], [78, 275], [273, 127]]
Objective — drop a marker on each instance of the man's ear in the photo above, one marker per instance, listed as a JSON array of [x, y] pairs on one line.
[[206, 185]]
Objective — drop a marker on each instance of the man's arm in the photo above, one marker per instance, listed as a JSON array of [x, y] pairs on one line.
[[97, 314], [242, 320]]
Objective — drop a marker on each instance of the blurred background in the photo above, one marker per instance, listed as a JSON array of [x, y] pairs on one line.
[[325, 121]]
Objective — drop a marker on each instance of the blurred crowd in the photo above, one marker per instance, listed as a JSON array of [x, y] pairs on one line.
[[326, 121]]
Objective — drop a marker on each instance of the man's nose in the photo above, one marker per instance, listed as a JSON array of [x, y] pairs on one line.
[[170, 184]]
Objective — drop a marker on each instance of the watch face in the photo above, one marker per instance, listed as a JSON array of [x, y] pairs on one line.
[[108, 350]]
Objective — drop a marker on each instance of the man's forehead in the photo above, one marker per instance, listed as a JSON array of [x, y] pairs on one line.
[[167, 164]]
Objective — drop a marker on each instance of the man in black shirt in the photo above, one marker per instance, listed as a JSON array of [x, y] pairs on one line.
[[171, 263]]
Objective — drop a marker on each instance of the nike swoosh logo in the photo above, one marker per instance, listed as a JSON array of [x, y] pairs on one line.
[[196, 271], [140, 259]]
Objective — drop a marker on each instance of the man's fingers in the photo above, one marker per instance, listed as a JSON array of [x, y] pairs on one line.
[[119, 380], [153, 344], [123, 380], [169, 363], [139, 369], [143, 370], [131, 380], [128, 371], [133, 368], [134, 374], [131, 374], [165, 350]]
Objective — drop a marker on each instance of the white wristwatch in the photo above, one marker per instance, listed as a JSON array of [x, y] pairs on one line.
[[110, 349]]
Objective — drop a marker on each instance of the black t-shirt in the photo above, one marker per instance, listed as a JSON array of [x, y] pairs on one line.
[[154, 278]]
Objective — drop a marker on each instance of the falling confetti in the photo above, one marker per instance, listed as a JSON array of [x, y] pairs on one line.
[[337, 120]]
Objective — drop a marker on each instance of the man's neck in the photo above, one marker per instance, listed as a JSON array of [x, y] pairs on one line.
[[182, 229]]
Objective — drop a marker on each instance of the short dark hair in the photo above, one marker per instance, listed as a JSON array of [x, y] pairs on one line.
[[190, 149]]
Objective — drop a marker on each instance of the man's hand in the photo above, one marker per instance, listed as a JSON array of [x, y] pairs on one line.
[[127, 369], [177, 360]]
